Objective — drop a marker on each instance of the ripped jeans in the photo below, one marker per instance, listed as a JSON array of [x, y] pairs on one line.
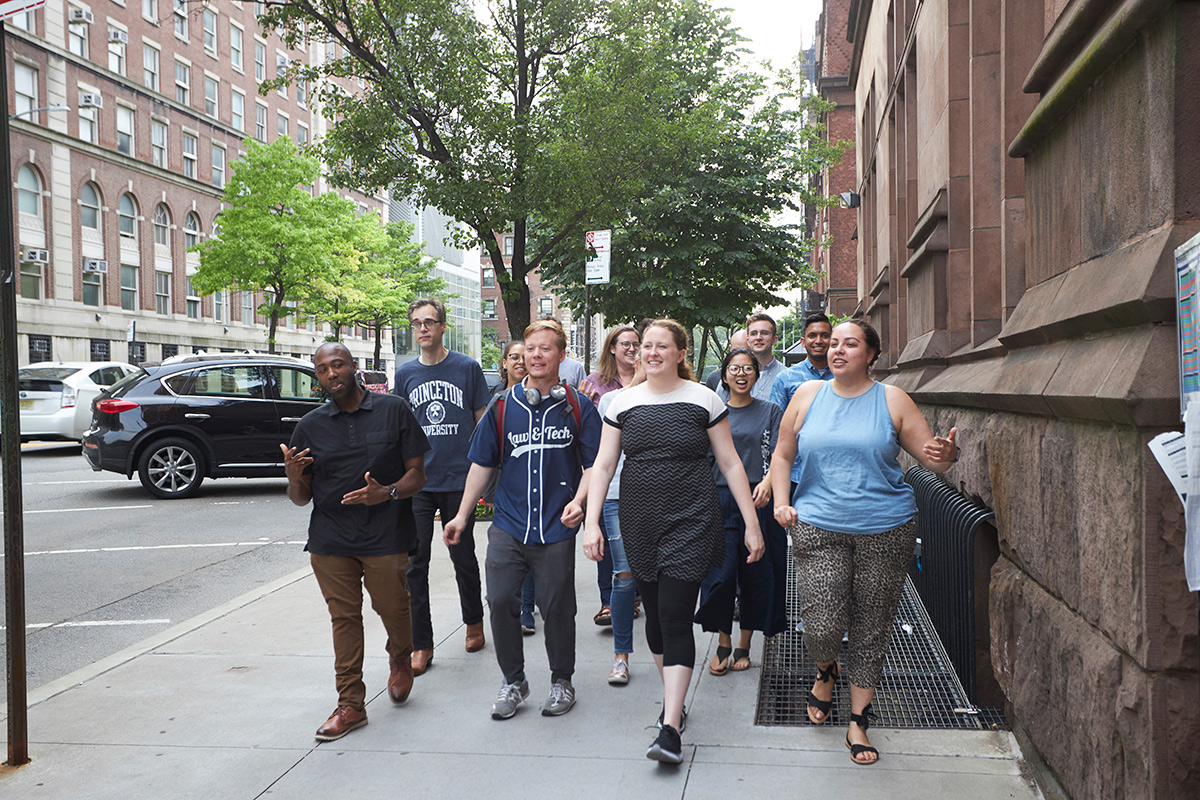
[[624, 589]]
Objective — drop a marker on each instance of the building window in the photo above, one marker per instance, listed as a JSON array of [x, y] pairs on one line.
[[162, 292], [31, 282], [193, 301], [89, 207], [281, 66], [545, 306], [237, 110], [91, 290], [116, 50], [137, 352], [169, 351], [189, 155], [508, 246], [301, 134], [39, 348], [260, 62], [129, 287], [181, 20], [23, 20], [248, 308], [162, 226], [150, 10], [125, 130], [183, 82], [489, 278], [260, 122], [219, 303], [29, 192], [301, 91], [87, 124], [77, 37], [158, 143], [150, 67], [489, 308], [218, 167], [210, 95], [26, 90], [236, 38], [210, 32], [191, 230], [101, 350], [282, 124], [127, 217]]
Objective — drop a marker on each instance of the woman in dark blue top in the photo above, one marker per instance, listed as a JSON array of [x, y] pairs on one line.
[[852, 519]]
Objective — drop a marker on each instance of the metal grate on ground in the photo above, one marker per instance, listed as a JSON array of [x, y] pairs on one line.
[[918, 689]]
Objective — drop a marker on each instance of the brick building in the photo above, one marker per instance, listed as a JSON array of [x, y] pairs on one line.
[[542, 301], [1026, 169], [155, 99]]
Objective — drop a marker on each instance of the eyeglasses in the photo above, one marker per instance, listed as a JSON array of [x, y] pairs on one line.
[[628, 345], [740, 369], [422, 324]]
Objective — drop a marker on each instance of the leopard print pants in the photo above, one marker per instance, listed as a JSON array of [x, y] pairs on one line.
[[851, 582]]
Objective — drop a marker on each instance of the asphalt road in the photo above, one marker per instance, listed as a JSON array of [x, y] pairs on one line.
[[107, 565]]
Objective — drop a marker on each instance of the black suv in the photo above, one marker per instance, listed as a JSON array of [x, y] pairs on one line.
[[199, 416]]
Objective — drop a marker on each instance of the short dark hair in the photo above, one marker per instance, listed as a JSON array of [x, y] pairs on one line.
[[738, 351], [335, 345], [870, 337], [438, 306], [811, 318], [762, 317]]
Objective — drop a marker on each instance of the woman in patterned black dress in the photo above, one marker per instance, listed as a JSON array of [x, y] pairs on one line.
[[670, 520]]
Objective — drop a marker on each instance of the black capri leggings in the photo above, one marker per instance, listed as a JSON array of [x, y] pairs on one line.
[[670, 605]]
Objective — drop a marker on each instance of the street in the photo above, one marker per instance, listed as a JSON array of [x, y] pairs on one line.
[[107, 565]]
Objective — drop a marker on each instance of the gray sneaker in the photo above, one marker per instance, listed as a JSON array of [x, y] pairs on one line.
[[511, 695], [682, 720], [561, 699]]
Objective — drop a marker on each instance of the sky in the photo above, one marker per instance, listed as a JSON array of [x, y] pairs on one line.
[[777, 29]]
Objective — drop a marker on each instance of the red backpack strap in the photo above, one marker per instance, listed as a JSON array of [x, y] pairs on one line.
[[573, 399], [500, 423]]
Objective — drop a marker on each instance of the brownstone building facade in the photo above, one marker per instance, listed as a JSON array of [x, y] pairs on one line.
[[151, 100], [542, 301], [1026, 169]]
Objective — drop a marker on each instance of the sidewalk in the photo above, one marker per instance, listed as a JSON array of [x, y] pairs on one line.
[[223, 706]]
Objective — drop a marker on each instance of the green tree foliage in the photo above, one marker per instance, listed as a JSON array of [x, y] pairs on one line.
[[503, 111], [490, 358], [275, 237]]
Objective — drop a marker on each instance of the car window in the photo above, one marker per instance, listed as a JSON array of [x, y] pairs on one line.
[[107, 376], [126, 383], [297, 384], [45, 373], [230, 381]]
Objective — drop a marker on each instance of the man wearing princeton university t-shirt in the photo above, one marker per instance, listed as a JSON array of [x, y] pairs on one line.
[[447, 393]]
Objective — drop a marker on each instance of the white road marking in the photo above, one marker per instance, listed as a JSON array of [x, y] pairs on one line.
[[93, 508], [130, 548], [98, 623], [66, 483]]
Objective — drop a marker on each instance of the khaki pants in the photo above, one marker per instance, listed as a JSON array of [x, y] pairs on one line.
[[341, 580]]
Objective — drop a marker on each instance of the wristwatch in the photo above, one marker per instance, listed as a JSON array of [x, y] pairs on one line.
[[395, 495]]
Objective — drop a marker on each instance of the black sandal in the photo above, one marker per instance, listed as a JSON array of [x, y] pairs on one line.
[[857, 750], [740, 654], [722, 659], [823, 676]]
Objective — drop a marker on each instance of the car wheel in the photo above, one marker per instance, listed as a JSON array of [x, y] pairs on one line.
[[171, 469]]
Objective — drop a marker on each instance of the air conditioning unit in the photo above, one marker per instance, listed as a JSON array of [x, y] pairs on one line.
[[90, 100], [35, 256], [115, 35], [80, 15], [95, 265]]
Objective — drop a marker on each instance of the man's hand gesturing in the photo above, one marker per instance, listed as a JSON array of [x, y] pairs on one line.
[[295, 463]]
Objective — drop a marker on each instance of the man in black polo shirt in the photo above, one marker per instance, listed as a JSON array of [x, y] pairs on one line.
[[358, 535]]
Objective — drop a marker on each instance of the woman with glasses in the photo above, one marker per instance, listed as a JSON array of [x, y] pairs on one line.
[[512, 366], [760, 586]]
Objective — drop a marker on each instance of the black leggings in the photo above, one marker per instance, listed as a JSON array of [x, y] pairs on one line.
[[670, 605]]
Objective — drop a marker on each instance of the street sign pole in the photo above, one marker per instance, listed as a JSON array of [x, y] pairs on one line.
[[10, 458], [596, 268], [587, 329]]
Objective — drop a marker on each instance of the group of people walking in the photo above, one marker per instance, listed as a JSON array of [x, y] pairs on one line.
[[688, 495]]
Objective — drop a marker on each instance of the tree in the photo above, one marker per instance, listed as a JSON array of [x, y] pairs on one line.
[[555, 109], [705, 247], [490, 358], [275, 237], [375, 281]]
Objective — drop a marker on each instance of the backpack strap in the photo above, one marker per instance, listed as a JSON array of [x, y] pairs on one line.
[[573, 399], [500, 422]]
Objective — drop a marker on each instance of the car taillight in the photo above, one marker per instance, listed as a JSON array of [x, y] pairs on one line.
[[69, 393], [111, 406]]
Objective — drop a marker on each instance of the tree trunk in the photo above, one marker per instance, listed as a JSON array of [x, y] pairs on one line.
[[518, 308], [702, 356], [272, 323], [378, 342]]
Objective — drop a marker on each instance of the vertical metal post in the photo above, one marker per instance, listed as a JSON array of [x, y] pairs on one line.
[[10, 453], [587, 327]]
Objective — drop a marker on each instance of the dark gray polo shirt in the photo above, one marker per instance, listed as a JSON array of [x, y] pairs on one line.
[[382, 430]]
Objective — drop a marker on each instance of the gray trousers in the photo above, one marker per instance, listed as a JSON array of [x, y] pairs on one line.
[[553, 567]]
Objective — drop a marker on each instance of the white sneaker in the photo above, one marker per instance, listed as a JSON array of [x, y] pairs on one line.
[[620, 673]]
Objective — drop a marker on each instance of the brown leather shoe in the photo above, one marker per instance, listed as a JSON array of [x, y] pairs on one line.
[[343, 720], [401, 680], [475, 640], [421, 659]]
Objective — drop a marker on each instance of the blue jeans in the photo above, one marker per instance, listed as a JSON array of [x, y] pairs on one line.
[[624, 588]]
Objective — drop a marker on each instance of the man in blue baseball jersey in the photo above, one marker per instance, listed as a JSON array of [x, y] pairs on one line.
[[544, 440]]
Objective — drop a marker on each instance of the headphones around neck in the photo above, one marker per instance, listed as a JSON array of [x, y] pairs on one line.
[[557, 392]]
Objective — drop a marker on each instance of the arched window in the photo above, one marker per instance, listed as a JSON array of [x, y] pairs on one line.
[[29, 191], [191, 229], [162, 225], [127, 216], [89, 207]]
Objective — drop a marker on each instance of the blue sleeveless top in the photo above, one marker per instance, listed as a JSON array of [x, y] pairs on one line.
[[849, 476]]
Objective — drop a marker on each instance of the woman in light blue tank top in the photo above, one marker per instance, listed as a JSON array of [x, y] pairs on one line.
[[853, 518]]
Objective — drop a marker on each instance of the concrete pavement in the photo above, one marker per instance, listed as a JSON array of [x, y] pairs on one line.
[[225, 704]]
